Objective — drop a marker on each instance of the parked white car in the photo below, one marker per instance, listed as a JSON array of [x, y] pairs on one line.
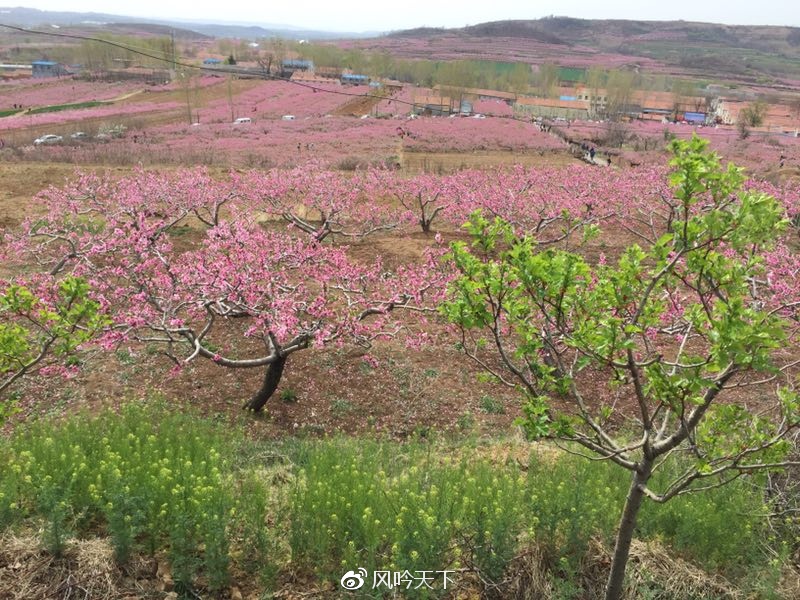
[[289, 117], [48, 139], [242, 120]]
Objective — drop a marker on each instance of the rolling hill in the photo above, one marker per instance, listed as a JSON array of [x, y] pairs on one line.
[[753, 54]]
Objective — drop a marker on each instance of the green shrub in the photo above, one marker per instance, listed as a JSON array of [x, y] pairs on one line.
[[492, 406], [152, 480], [288, 395], [160, 482]]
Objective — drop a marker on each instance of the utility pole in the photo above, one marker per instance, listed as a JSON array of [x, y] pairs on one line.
[[174, 58], [188, 81], [230, 97]]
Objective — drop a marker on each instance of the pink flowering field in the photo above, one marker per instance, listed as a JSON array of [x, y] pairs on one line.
[[36, 93], [760, 151], [273, 99], [77, 116], [468, 134], [159, 132]]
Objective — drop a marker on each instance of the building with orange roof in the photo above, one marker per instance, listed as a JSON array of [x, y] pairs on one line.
[[312, 78], [482, 94], [553, 108]]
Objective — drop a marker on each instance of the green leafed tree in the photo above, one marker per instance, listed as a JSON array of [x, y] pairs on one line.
[[42, 326], [753, 114], [683, 332]]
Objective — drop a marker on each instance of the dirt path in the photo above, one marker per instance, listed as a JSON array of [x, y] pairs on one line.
[[125, 96], [109, 101], [358, 106], [17, 114]]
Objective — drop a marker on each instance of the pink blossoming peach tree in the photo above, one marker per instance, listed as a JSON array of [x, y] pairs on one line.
[[190, 290]]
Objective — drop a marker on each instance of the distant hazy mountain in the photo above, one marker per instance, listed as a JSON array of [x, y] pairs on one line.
[[748, 53], [31, 17]]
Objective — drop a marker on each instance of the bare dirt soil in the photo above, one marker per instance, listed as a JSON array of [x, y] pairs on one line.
[[358, 106]]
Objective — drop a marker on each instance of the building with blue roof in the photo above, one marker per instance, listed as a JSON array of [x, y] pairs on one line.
[[47, 68], [290, 65], [353, 79]]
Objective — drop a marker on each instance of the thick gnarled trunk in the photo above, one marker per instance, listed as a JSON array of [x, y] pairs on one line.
[[271, 380]]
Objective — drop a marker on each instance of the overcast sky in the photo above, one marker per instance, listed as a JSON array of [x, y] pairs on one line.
[[349, 15]]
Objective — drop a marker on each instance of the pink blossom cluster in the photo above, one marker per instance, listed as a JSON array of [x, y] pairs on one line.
[[759, 152], [244, 293], [205, 81], [78, 115], [62, 91], [275, 142], [288, 292], [468, 134], [493, 107], [270, 100]]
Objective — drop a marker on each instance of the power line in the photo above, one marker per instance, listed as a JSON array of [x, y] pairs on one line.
[[217, 70], [177, 63], [268, 76]]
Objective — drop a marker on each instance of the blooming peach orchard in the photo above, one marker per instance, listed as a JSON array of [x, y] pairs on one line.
[[249, 269], [110, 111], [44, 93]]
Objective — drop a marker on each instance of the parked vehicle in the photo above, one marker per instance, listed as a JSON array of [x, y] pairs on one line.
[[242, 120], [291, 117], [48, 139], [79, 135]]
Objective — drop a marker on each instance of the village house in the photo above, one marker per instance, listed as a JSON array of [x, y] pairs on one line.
[[641, 104], [329, 72], [778, 118], [432, 105], [11, 71], [290, 65], [551, 108], [48, 68], [354, 79], [312, 78], [482, 94]]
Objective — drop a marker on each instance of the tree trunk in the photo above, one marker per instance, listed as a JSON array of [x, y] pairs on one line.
[[271, 380], [627, 526]]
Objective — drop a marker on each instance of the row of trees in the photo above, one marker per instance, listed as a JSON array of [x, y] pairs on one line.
[[688, 326], [543, 79]]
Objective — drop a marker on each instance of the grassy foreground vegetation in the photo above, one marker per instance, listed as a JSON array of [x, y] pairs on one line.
[[221, 508]]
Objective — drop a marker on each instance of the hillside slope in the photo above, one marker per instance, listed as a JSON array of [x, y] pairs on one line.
[[754, 54]]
